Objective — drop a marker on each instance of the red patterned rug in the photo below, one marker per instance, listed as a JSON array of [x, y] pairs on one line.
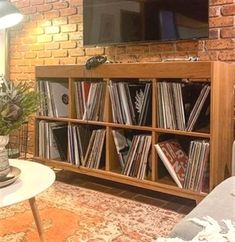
[[75, 214]]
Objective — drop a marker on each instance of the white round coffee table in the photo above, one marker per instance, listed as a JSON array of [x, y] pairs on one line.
[[34, 179]]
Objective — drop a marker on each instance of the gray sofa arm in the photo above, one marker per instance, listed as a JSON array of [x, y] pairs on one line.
[[219, 204]]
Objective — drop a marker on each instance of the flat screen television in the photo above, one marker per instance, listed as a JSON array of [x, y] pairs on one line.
[[121, 21]]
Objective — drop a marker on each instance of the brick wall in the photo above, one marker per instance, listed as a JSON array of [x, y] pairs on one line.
[[52, 34]]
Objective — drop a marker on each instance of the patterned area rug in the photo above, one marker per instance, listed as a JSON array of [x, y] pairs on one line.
[[75, 214]]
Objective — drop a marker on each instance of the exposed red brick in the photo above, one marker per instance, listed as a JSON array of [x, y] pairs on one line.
[[25, 62], [214, 11], [44, 54], [13, 76], [192, 53], [161, 47], [15, 41], [27, 69], [69, 45], [125, 58], [59, 53], [80, 10], [52, 46], [60, 5], [36, 62], [36, 2], [44, 8], [30, 55], [120, 50], [52, 61], [16, 69], [179, 55], [150, 58], [52, 14], [189, 45], [13, 62], [76, 2], [37, 47], [214, 33], [74, 19], [29, 40], [68, 61], [228, 10], [228, 32], [23, 76], [81, 60], [208, 55], [37, 31], [80, 43], [68, 28], [52, 1], [44, 38], [111, 58], [60, 37], [60, 21], [220, 44], [110, 50], [227, 55], [137, 49], [23, 48], [75, 36], [52, 30], [68, 11], [220, 2], [28, 10], [94, 51], [221, 21], [22, 4], [29, 25], [15, 47], [44, 23], [76, 52]]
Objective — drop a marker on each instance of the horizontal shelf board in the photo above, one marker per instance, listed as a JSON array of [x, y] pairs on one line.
[[108, 175], [52, 118], [101, 123], [124, 126], [200, 69], [179, 132]]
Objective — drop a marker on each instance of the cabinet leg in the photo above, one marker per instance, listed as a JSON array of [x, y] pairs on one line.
[[37, 219]]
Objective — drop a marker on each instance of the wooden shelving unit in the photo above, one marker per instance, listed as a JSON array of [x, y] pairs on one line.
[[220, 131]]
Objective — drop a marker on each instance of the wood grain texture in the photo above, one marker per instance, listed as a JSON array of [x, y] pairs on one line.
[[139, 70]]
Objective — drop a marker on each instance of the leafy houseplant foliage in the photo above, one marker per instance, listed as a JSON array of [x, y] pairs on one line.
[[17, 102]]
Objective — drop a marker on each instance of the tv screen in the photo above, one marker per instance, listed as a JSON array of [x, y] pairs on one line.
[[120, 21]]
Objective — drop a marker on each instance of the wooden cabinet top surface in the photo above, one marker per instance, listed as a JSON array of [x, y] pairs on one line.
[[200, 69]]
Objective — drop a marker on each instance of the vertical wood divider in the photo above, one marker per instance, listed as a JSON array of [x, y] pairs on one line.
[[154, 125], [221, 112], [71, 107], [71, 92], [108, 159], [107, 110], [107, 103]]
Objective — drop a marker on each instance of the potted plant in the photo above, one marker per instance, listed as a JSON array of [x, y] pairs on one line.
[[17, 102]]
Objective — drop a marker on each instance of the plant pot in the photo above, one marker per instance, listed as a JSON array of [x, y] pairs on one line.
[[4, 162]]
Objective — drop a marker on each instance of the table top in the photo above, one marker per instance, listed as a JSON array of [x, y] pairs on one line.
[[34, 179]]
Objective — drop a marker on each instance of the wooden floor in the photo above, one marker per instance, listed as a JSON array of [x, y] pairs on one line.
[[181, 205]]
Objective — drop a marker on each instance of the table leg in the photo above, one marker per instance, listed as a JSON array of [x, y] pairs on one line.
[[37, 219]]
